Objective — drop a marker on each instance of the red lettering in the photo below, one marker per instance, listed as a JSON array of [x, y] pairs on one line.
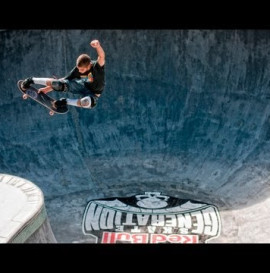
[[174, 238], [105, 238], [186, 239], [108, 238], [139, 238], [195, 239], [122, 236], [158, 238], [114, 237]]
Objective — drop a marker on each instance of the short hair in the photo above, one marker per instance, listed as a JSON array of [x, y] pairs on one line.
[[83, 60]]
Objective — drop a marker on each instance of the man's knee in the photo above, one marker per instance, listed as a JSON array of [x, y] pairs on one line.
[[86, 102], [59, 85]]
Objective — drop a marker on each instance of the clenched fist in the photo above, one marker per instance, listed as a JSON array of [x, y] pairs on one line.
[[95, 43]]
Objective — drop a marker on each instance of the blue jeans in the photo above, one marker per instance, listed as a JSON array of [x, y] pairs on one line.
[[77, 87]]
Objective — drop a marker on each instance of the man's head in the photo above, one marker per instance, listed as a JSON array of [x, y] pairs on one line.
[[83, 63]]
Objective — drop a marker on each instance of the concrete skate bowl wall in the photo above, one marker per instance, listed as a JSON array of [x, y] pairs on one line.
[[184, 112], [23, 217]]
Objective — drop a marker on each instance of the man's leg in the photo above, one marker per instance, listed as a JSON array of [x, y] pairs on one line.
[[27, 82], [86, 102], [42, 81], [57, 85]]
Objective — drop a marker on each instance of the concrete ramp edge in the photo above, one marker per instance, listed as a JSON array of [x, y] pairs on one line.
[[22, 209]]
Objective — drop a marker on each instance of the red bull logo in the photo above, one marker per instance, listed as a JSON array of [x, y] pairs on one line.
[[150, 218]]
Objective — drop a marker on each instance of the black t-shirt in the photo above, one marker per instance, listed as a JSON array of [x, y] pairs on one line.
[[96, 74]]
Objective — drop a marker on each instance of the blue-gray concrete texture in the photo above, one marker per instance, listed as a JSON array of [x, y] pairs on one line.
[[184, 112]]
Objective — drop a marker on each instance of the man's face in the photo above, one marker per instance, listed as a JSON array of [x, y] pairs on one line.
[[83, 69]]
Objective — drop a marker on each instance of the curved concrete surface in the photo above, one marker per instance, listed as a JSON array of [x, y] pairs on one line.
[[23, 217], [184, 112]]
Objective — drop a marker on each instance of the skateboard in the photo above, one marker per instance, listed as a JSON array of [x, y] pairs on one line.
[[41, 98]]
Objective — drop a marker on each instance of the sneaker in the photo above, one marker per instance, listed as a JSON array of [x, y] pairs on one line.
[[60, 103], [26, 83]]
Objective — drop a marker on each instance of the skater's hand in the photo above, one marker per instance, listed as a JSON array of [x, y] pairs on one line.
[[45, 89], [95, 43], [42, 90]]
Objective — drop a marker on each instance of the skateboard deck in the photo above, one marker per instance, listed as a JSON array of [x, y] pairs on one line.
[[41, 98]]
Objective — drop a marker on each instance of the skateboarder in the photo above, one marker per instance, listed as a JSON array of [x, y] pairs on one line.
[[87, 78]]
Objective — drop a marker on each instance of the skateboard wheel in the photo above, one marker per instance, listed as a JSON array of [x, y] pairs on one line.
[[25, 96], [51, 113]]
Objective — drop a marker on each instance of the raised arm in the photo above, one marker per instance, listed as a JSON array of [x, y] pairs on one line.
[[101, 54]]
